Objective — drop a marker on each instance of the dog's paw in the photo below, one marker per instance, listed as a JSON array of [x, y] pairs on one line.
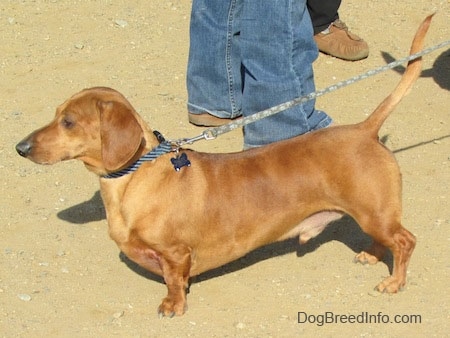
[[365, 258], [390, 285], [170, 308]]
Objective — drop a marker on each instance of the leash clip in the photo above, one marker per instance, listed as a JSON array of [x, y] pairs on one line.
[[209, 134]]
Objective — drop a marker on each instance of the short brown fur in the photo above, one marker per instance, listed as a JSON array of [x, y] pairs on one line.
[[180, 224]]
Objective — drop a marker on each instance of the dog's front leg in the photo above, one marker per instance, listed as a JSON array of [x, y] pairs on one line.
[[175, 266]]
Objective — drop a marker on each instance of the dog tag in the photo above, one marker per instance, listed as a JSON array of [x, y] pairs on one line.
[[180, 161]]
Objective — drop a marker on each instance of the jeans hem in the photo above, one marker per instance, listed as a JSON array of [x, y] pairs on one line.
[[195, 109], [322, 124]]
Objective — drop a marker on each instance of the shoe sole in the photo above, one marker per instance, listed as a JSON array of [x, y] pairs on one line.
[[356, 57], [208, 120]]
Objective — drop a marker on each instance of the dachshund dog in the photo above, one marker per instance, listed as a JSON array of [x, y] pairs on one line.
[[178, 212]]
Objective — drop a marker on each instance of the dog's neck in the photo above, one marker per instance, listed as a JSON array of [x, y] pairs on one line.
[[149, 141], [163, 148], [158, 147]]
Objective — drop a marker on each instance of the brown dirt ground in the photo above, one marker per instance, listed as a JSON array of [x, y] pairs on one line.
[[54, 245]]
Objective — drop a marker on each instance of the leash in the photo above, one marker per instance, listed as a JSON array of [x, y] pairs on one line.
[[181, 160], [212, 133]]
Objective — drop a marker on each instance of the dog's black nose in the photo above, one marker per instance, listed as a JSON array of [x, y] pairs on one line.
[[23, 148]]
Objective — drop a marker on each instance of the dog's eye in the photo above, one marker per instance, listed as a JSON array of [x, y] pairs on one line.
[[67, 123]]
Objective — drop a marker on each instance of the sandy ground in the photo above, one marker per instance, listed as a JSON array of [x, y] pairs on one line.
[[60, 274]]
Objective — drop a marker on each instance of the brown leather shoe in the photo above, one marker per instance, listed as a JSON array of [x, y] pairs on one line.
[[208, 120], [338, 41]]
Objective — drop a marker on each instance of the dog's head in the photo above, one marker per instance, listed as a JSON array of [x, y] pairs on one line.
[[97, 126]]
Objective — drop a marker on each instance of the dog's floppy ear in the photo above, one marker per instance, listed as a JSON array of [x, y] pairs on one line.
[[120, 132]]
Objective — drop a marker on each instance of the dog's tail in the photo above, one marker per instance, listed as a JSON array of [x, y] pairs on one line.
[[412, 72]]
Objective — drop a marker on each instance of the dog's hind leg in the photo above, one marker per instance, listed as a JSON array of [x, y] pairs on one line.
[[393, 236], [402, 246]]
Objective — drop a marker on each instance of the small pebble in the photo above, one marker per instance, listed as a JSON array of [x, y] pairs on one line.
[[240, 325], [374, 293], [121, 23], [24, 297], [117, 315]]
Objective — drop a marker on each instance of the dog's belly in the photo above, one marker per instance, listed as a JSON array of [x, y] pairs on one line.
[[207, 257], [311, 226]]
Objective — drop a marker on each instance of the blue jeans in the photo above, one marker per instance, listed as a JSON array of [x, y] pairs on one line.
[[249, 55]]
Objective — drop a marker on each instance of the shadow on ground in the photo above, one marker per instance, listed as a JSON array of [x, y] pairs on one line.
[[440, 72]]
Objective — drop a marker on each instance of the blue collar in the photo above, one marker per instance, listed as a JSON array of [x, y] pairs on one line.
[[161, 149]]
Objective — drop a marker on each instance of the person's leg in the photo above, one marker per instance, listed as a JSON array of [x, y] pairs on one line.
[[323, 13], [277, 53], [213, 73]]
